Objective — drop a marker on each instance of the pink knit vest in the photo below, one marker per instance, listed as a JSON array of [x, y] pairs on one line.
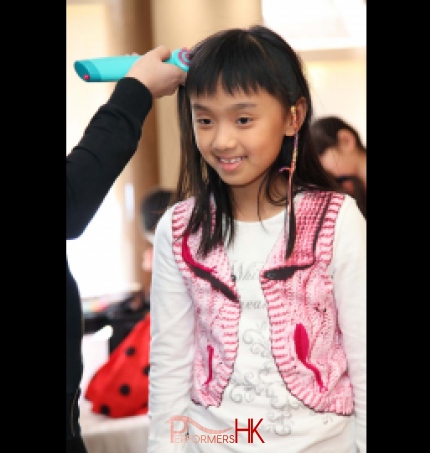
[[306, 339]]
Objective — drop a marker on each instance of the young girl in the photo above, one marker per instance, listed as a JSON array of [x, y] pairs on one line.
[[258, 293]]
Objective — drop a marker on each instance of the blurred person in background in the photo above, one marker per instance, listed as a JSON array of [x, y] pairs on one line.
[[343, 154], [109, 142], [151, 209]]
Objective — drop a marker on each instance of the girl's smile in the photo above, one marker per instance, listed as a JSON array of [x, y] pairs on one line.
[[229, 165]]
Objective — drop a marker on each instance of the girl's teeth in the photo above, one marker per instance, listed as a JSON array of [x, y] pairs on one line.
[[230, 161]]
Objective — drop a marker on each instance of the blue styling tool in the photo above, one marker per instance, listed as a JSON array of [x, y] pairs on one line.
[[111, 69]]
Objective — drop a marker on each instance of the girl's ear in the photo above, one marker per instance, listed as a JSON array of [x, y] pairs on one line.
[[295, 121]]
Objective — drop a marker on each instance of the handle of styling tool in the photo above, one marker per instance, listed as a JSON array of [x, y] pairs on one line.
[[111, 69]]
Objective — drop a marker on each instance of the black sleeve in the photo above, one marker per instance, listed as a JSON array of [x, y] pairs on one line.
[[109, 142]]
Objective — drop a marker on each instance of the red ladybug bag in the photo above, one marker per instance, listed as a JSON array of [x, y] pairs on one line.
[[119, 388]]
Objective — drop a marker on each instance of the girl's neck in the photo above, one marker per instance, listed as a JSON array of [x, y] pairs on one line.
[[247, 209], [250, 213]]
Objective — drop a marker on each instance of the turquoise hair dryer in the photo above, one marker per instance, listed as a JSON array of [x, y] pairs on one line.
[[111, 69]]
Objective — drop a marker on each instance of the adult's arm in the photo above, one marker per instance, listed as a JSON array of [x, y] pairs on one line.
[[112, 136], [108, 143]]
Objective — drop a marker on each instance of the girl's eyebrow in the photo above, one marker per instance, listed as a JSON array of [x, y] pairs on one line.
[[239, 106]]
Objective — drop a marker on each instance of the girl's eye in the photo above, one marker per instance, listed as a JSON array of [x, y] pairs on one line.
[[244, 120], [204, 121]]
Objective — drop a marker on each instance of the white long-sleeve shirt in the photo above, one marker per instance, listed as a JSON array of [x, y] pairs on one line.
[[256, 390]]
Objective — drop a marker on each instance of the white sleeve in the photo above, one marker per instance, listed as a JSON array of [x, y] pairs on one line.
[[172, 345], [349, 275]]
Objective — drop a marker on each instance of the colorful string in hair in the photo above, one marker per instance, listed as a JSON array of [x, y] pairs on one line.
[[292, 167]]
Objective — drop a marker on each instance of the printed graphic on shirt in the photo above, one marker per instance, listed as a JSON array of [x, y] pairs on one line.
[[256, 380]]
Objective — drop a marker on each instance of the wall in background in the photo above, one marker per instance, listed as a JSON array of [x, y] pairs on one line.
[[338, 84]]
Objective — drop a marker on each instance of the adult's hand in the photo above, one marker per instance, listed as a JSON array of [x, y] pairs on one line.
[[159, 77]]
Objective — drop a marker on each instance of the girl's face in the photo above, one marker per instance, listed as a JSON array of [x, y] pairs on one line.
[[239, 135]]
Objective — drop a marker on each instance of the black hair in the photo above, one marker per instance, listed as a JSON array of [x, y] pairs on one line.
[[324, 133], [153, 207], [249, 59]]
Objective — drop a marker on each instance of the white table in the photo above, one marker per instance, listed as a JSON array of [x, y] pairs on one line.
[[103, 434]]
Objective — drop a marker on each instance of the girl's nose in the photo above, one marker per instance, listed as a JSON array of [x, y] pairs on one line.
[[224, 138]]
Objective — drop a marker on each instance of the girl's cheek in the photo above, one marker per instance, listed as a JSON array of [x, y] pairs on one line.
[[197, 137], [201, 141]]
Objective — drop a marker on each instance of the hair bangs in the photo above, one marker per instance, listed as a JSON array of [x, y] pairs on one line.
[[238, 63]]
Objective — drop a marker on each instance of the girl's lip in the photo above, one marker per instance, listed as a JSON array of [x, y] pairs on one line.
[[230, 164]]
